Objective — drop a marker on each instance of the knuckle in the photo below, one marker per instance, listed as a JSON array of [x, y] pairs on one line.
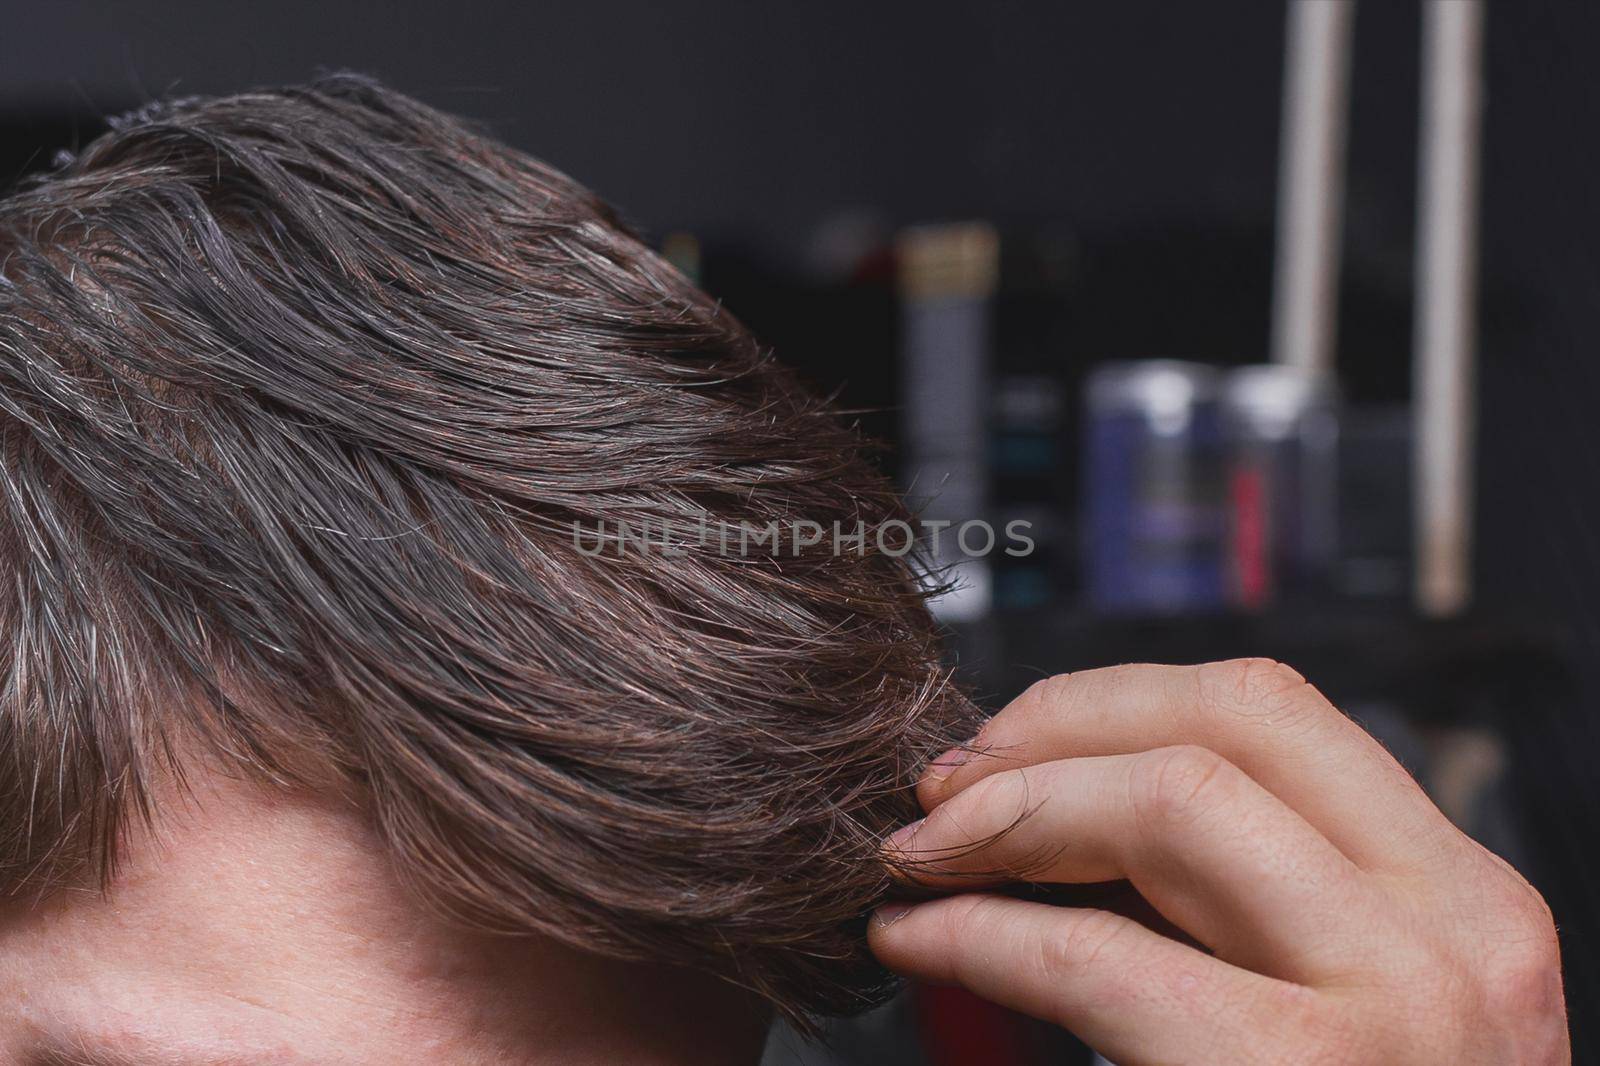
[[966, 912], [1067, 948], [986, 806], [1528, 984], [1054, 695], [1046, 689], [933, 843], [1168, 784], [1047, 700], [1536, 911], [987, 799], [971, 919], [1135, 676], [1060, 694], [1523, 973], [1253, 688], [1322, 1029]]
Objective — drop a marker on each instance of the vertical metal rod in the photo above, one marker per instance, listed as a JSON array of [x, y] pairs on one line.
[[1446, 288], [1316, 94]]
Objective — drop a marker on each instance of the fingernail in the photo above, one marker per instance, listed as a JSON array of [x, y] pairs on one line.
[[900, 839], [949, 762], [890, 913]]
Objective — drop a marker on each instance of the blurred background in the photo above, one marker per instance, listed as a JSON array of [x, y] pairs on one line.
[[1276, 323]]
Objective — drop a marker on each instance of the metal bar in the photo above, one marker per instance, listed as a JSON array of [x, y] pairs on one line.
[[1446, 283], [1311, 181]]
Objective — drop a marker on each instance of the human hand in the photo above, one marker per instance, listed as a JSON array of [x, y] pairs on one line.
[[1340, 917]]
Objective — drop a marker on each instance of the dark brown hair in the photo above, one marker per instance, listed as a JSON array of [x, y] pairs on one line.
[[301, 394]]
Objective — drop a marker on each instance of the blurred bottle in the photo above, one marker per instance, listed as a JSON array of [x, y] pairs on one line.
[[1155, 527], [1025, 460], [948, 275], [1375, 477], [1282, 431]]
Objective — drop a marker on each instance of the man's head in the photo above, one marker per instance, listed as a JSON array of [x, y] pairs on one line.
[[314, 407]]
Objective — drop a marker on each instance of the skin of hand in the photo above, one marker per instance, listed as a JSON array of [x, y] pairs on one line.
[[254, 926], [1323, 910]]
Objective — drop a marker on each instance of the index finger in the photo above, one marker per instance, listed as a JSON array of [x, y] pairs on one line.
[[1125, 990], [1259, 715]]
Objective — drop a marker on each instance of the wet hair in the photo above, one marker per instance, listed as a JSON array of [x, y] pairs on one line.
[[305, 397]]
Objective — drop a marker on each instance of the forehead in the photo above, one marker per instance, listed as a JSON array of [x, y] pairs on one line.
[[249, 926]]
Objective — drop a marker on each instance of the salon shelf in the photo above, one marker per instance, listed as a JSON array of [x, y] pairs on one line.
[[1455, 670]]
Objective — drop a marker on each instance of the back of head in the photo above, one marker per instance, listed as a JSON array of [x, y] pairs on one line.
[[320, 416]]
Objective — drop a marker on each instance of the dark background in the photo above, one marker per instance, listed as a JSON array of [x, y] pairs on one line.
[[1135, 144]]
